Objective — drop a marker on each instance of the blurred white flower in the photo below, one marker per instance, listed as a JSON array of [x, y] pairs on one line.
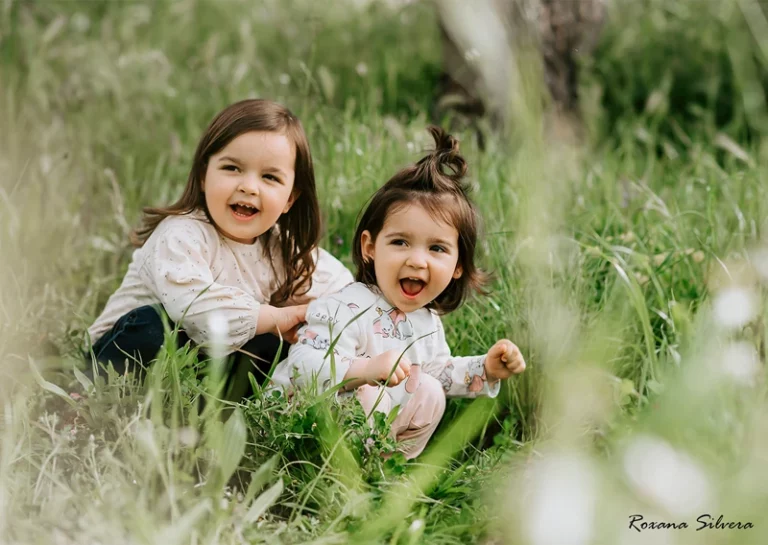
[[80, 22], [361, 69], [735, 307], [188, 436], [217, 328], [359, 152], [416, 525], [740, 362], [667, 477], [339, 147], [563, 500], [285, 79]]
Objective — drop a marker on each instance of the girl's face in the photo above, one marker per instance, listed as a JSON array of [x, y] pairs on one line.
[[248, 185], [415, 257]]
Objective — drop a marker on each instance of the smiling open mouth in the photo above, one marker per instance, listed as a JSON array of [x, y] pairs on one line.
[[244, 210], [411, 286]]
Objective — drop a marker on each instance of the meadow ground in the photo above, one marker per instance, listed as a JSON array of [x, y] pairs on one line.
[[631, 272]]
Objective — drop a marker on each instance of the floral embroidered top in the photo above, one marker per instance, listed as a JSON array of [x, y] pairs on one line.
[[367, 325], [196, 273]]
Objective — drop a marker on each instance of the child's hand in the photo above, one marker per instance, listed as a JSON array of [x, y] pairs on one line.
[[503, 360], [286, 320], [380, 367]]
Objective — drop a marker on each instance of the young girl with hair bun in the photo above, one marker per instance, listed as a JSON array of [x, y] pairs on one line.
[[415, 257]]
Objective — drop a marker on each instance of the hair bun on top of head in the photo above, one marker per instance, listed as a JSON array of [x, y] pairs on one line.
[[445, 161]]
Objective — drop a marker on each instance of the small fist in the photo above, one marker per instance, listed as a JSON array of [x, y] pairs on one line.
[[503, 360], [392, 362]]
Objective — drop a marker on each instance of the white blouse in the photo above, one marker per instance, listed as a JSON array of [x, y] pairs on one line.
[[196, 273], [363, 324]]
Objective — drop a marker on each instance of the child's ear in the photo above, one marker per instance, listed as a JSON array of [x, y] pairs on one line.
[[291, 200], [367, 246], [458, 272]]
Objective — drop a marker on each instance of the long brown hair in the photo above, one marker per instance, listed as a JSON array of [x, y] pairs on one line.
[[435, 182], [299, 228]]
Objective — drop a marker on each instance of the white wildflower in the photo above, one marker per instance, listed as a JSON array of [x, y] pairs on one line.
[[735, 307], [416, 525], [217, 326], [669, 478], [564, 490], [80, 22], [740, 362]]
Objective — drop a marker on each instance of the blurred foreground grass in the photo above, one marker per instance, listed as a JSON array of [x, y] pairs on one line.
[[630, 271]]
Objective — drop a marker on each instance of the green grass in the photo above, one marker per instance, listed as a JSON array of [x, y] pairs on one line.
[[608, 262]]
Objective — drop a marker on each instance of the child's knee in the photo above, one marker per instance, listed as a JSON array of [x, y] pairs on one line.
[[371, 398], [431, 396]]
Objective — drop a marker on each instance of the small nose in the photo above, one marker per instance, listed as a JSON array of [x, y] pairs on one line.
[[249, 184], [417, 259]]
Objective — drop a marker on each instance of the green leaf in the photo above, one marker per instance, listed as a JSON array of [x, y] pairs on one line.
[[263, 502], [84, 381], [232, 446], [49, 386], [260, 478], [655, 386], [327, 83]]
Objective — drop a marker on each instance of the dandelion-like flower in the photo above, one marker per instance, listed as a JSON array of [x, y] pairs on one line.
[[416, 525], [735, 307], [740, 363], [564, 490], [667, 477], [217, 326]]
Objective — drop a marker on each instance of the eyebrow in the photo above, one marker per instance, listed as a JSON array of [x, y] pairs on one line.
[[431, 241], [278, 170], [230, 159]]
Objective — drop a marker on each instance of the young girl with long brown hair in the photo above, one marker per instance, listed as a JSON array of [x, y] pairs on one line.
[[415, 257], [237, 253]]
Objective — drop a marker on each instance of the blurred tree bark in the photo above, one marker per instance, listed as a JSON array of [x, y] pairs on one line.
[[487, 42]]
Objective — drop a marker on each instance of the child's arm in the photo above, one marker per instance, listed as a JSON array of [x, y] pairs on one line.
[[328, 319], [472, 376], [176, 270]]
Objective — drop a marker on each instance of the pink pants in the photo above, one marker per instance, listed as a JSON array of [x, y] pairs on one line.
[[420, 413]]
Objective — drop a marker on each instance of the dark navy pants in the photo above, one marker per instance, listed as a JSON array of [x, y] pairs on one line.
[[140, 334]]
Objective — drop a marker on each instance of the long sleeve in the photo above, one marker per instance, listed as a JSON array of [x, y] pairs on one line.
[[461, 376], [177, 271], [312, 358]]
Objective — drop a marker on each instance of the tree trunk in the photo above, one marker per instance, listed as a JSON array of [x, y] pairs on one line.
[[483, 41]]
